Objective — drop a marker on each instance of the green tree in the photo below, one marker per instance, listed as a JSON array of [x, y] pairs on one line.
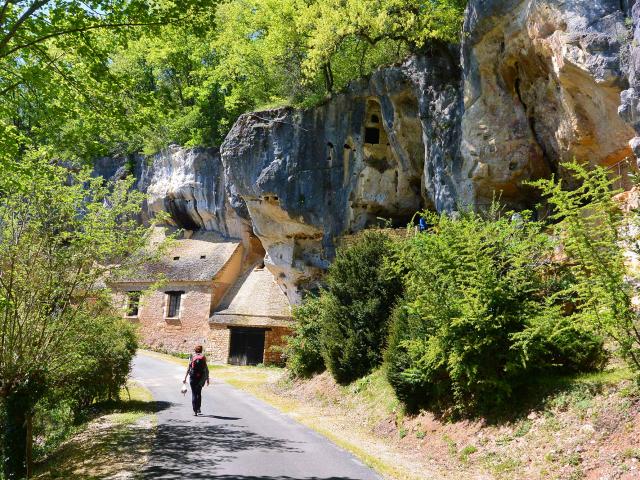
[[360, 294], [61, 234], [367, 33], [55, 81], [298, 51], [304, 347]]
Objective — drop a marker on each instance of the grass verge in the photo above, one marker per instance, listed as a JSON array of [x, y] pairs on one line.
[[115, 444]]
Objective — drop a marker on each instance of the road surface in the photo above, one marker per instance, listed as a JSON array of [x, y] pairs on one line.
[[238, 437]]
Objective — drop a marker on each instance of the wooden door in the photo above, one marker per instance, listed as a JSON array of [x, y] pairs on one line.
[[247, 346]]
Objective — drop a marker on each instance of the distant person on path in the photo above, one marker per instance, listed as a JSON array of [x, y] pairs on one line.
[[423, 226], [198, 374]]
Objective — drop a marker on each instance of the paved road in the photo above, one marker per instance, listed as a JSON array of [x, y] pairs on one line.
[[237, 437]]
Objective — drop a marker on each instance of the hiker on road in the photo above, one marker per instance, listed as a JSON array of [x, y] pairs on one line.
[[198, 374]]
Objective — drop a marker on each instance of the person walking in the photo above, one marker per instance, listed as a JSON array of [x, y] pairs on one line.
[[198, 374]]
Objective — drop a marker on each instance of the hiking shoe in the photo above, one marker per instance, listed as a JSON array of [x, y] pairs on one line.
[[199, 412]]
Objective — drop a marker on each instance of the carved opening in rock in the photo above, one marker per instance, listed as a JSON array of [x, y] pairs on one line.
[[372, 135], [203, 256], [176, 258], [380, 164], [182, 213]]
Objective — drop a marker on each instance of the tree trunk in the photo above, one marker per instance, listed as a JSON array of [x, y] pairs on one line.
[[28, 455], [14, 435], [328, 77]]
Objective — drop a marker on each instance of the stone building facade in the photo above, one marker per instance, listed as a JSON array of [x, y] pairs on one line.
[[254, 311], [174, 300]]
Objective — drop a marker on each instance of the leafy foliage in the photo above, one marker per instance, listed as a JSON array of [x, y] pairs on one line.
[[482, 313], [118, 77], [297, 51], [594, 234], [360, 294], [303, 349], [56, 82], [54, 258]]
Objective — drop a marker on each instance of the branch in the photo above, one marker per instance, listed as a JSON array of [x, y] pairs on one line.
[[78, 30], [23, 18]]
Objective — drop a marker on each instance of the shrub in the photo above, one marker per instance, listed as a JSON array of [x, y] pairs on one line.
[[360, 295], [594, 235], [482, 312], [303, 349], [101, 362]]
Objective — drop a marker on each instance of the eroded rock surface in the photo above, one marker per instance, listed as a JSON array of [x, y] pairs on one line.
[[187, 184], [310, 176], [535, 83], [542, 85]]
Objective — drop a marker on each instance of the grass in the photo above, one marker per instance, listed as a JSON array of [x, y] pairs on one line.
[[466, 452], [114, 443]]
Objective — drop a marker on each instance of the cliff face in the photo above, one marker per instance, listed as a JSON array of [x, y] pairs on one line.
[[309, 176], [535, 83], [187, 184], [630, 100], [542, 86]]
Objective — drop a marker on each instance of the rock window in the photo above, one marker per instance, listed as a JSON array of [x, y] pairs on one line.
[[372, 124], [372, 135], [133, 303], [173, 304]]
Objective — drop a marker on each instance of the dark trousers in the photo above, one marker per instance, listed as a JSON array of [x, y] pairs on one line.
[[196, 395]]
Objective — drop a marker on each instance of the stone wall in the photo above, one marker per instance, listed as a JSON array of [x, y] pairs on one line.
[[175, 335], [275, 338], [218, 345]]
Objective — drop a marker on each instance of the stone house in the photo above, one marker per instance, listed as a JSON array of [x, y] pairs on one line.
[[175, 301], [253, 317]]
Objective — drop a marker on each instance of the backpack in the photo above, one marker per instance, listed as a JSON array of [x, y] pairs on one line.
[[198, 363]]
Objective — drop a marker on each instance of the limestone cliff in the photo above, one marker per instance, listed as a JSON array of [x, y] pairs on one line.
[[187, 184], [309, 176], [534, 84], [542, 85]]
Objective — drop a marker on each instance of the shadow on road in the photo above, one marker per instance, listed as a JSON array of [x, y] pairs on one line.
[[197, 451], [240, 477], [219, 417]]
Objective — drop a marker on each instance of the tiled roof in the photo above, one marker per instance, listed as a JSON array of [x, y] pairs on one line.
[[255, 294], [251, 321], [198, 258]]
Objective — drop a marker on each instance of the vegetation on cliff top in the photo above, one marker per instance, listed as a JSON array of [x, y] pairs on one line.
[[97, 78]]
